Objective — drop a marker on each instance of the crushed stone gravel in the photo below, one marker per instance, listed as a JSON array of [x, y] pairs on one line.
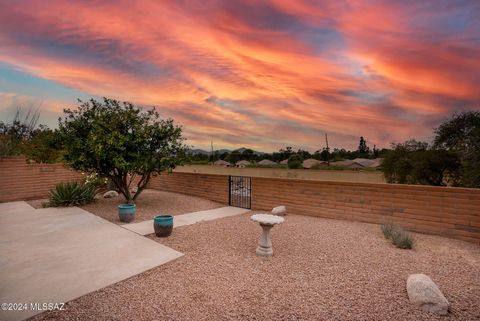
[[321, 270], [150, 203]]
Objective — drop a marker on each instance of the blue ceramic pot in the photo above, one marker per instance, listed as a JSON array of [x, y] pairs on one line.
[[126, 212], [163, 225]]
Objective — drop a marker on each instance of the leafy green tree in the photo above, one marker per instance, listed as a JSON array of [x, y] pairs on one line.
[[414, 162], [233, 157], [363, 150], [248, 154], [461, 134], [45, 146], [122, 142], [224, 156], [15, 135], [22, 136], [304, 154], [295, 161]]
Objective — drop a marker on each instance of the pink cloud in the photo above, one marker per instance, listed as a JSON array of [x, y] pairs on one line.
[[262, 73]]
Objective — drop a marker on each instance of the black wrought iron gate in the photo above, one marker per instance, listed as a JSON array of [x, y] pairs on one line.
[[240, 191]]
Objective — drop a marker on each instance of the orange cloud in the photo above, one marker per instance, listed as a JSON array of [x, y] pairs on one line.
[[259, 73]]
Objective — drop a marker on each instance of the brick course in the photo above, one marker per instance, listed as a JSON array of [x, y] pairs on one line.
[[20, 180]]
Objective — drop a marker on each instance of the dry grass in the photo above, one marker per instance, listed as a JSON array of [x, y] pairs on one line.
[[321, 270]]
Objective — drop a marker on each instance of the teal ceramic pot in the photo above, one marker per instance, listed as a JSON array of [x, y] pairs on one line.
[[163, 225], [126, 212]]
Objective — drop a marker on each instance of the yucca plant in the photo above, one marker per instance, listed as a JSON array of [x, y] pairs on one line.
[[72, 194]]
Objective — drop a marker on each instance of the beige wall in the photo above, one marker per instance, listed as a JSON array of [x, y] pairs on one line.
[[212, 187], [20, 180], [308, 174], [451, 212]]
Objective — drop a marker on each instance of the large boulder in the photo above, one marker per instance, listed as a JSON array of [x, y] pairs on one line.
[[279, 210], [110, 194], [425, 294]]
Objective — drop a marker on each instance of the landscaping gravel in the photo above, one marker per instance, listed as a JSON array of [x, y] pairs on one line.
[[321, 270], [150, 203]]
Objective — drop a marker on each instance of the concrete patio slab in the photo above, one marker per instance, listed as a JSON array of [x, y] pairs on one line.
[[146, 227], [55, 255]]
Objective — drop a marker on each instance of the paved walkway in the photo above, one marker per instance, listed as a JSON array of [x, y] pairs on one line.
[[146, 227], [55, 255]]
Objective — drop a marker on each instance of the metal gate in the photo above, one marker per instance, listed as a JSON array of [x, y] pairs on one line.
[[240, 191]]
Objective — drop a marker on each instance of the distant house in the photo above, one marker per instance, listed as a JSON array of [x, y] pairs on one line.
[[377, 162], [309, 163], [284, 162], [242, 163], [222, 163], [346, 163], [359, 163], [266, 162], [365, 162]]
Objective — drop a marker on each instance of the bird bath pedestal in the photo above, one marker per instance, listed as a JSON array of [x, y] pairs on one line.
[[266, 221]]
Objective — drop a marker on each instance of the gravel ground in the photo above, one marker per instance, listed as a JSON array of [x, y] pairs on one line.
[[150, 203], [321, 270]]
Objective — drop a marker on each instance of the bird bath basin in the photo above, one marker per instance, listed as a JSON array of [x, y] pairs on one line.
[[266, 221]]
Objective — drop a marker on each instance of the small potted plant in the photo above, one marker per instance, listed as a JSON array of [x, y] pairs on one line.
[[126, 212], [163, 225]]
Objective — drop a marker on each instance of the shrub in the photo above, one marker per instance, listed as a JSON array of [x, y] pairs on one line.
[[402, 239], [399, 237], [295, 162], [96, 181], [71, 194], [387, 230]]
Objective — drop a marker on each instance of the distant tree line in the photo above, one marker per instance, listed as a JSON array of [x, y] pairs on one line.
[[24, 136], [453, 159], [324, 154]]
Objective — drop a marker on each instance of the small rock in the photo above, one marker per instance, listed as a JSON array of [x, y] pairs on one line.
[[110, 194], [279, 210], [425, 294]]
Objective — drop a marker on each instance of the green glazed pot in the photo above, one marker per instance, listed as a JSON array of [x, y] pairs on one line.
[[126, 212], [163, 225]]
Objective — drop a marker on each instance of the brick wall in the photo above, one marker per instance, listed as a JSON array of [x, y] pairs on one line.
[[20, 180], [212, 187], [451, 212]]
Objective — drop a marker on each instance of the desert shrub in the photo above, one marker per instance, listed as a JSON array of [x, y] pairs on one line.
[[71, 194], [399, 237], [387, 230], [402, 239]]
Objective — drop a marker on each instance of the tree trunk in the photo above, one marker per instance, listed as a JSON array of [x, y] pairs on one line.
[[121, 183], [142, 184]]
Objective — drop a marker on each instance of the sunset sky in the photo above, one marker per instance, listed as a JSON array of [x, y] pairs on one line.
[[262, 74]]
